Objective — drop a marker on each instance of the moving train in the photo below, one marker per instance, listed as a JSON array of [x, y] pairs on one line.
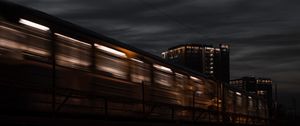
[[50, 65]]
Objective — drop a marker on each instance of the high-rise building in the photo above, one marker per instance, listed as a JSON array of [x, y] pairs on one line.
[[257, 86], [212, 61]]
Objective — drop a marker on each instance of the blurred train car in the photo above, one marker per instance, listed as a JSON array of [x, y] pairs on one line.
[[52, 65]]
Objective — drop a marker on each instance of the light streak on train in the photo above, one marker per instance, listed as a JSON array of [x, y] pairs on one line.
[[72, 39], [110, 50], [166, 69], [35, 25]]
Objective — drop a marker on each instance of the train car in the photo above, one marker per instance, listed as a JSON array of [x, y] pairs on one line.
[[53, 66]]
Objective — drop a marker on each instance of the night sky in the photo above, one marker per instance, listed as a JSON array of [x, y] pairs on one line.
[[264, 35]]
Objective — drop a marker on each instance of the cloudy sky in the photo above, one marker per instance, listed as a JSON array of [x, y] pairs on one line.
[[264, 34]]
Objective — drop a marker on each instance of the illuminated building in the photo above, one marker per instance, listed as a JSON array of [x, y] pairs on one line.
[[212, 61], [257, 86]]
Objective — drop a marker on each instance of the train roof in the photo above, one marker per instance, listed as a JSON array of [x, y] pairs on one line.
[[13, 12]]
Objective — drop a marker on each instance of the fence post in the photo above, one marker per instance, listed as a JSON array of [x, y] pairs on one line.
[[143, 97]]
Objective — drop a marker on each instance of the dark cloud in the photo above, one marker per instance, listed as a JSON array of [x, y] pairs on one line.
[[264, 34]]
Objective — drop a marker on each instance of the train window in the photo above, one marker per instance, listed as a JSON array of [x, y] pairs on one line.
[[163, 78], [111, 65], [72, 52], [244, 104], [181, 80], [210, 89], [197, 83], [163, 75], [139, 71], [229, 98], [260, 107], [15, 42], [239, 100], [250, 101], [252, 106]]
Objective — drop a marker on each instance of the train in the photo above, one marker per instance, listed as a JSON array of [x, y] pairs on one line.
[[53, 66]]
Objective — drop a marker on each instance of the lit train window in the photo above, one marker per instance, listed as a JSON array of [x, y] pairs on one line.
[[111, 65], [211, 89], [261, 108], [229, 101], [239, 103], [18, 43], [250, 101], [72, 52], [244, 104], [203, 95], [198, 83], [181, 80], [163, 75], [251, 106], [239, 100], [163, 78], [139, 71]]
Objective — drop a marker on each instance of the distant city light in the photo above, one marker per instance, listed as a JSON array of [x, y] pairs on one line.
[[238, 93], [32, 24]]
